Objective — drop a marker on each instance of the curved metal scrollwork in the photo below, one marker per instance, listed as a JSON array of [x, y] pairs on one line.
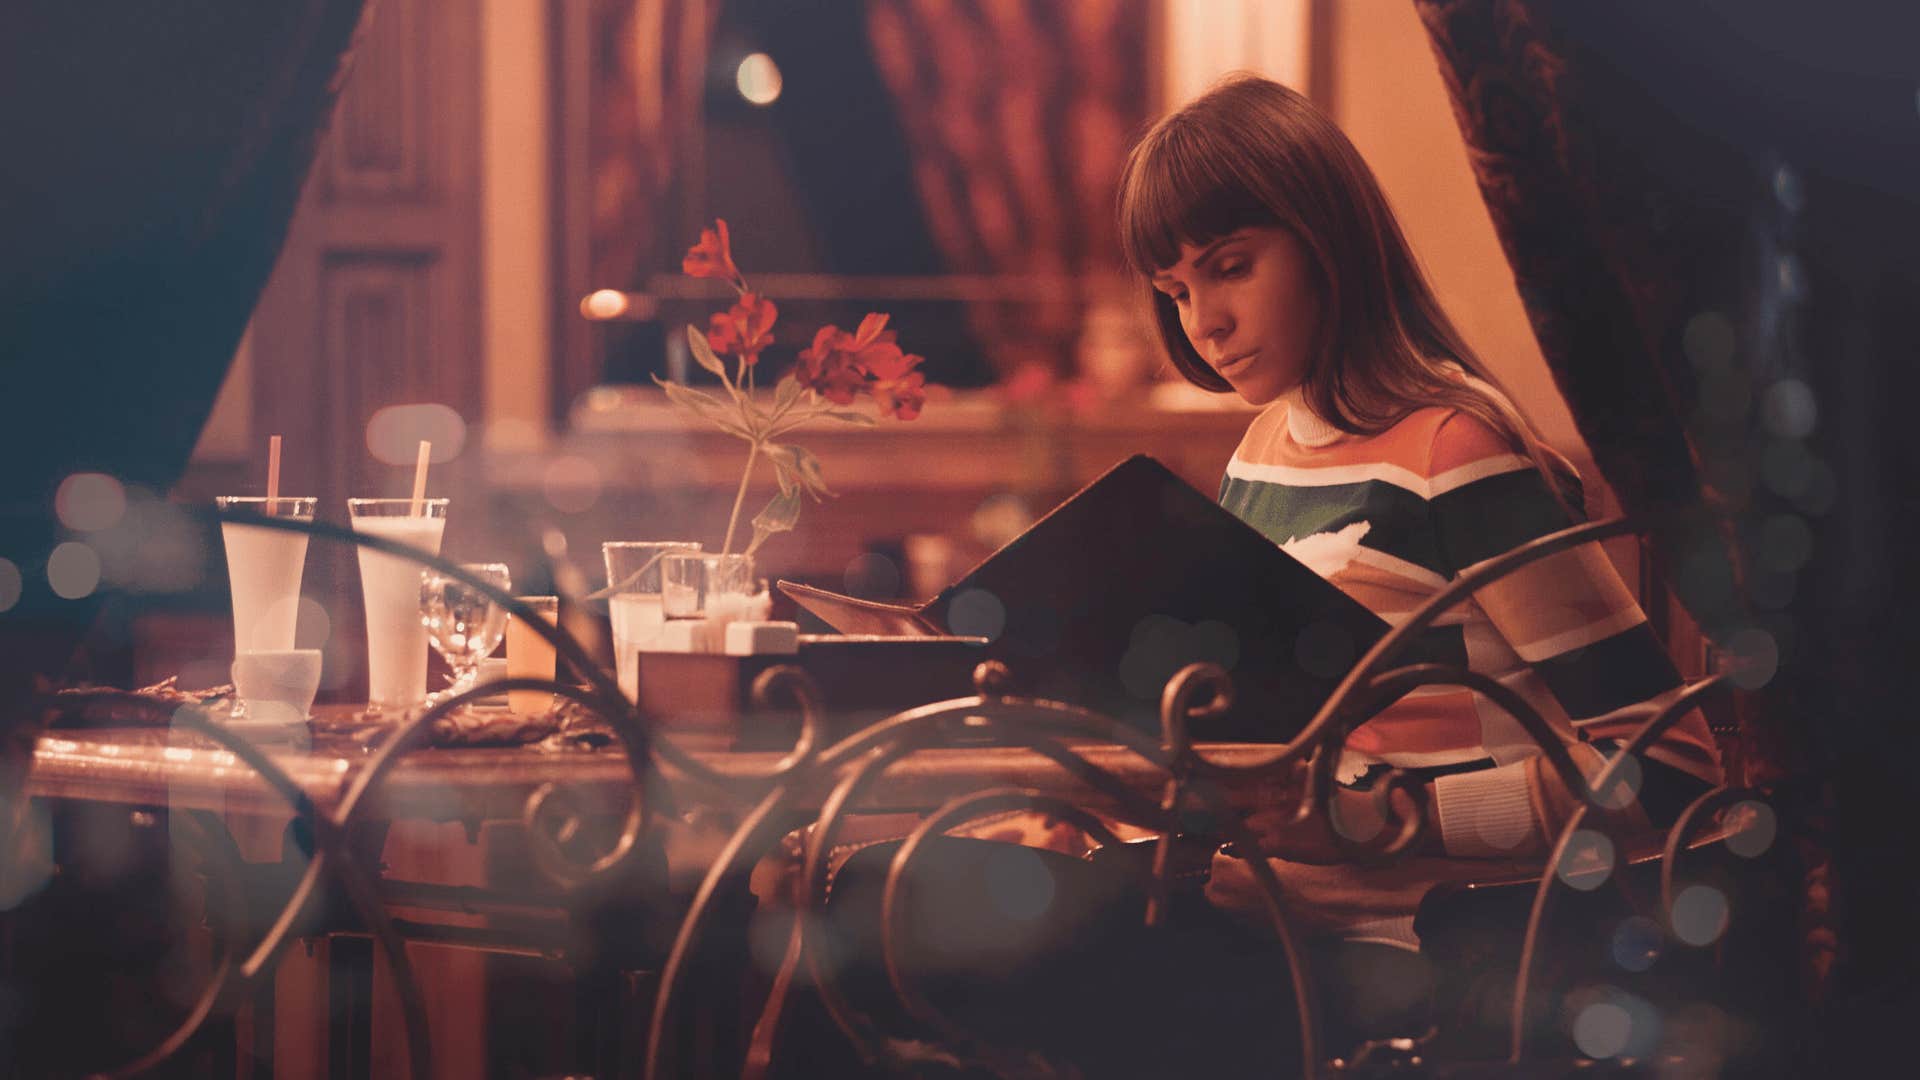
[[846, 771]]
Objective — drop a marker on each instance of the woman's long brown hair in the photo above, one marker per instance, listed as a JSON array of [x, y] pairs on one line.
[[1250, 153]]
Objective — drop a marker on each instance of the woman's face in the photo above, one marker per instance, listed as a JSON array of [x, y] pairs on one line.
[[1246, 302]]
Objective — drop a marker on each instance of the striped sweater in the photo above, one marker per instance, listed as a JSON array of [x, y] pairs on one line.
[[1390, 519]]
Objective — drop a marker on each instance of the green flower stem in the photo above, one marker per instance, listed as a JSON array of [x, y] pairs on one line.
[[753, 455]]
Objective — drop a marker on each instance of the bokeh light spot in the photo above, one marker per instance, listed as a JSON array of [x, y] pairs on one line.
[[1791, 276], [871, 576], [11, 584], [1751, 658], [1821, 490], [1786, 188], [89, 502], [977, 613], [312, 626], [1699, 914], [1751, 828], [1216, 641], [998, 519], [73, 570], [1587, 862], [1708, 341], [1019, 883], [1785, 542], [758, 79], [571, 484], [1786, 467], [1789, 410], [395, 433], [601, 305], [1602, 1029], [1637, 942], [1624, 788], [1154, 648]]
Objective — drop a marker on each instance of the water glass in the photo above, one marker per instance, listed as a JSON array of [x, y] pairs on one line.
[[530, 656], [718, 588], [634, 606], [464, 624], [390, 587]]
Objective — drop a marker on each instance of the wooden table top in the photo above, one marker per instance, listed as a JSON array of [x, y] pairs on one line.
[[182, 769]]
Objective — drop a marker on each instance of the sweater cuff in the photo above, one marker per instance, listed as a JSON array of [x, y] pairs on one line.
[[1486, 814]]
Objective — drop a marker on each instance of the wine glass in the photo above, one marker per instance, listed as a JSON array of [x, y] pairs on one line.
[[464, 624]]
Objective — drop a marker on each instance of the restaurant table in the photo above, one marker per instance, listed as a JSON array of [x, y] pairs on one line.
[[410, 832]]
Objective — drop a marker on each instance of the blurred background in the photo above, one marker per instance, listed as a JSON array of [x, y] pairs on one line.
[[487, 254]]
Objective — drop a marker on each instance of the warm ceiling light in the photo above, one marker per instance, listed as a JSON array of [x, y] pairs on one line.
[[604, 304], [758, 79]]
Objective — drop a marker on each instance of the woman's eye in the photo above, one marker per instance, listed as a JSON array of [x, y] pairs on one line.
[[1235, 269]]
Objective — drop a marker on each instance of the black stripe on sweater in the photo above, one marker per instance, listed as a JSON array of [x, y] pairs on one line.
[[1614, 672]]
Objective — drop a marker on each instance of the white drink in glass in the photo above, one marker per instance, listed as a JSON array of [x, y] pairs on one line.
[[263, 569], [390, 588], [634, 608], [637, 619]]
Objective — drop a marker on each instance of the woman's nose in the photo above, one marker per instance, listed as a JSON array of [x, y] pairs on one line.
[[1209, 319]]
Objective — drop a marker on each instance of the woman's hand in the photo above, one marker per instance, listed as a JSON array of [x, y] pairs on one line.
[[1313, 841]]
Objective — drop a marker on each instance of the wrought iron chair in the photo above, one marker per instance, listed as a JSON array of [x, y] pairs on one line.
[[1196, 787]]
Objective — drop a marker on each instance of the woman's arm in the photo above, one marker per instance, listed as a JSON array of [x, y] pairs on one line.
[[1575, 625]]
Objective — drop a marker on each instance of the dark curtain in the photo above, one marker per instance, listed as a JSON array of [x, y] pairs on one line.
[[1018, 115], [151, 156], [648, 58], [1710, 210]]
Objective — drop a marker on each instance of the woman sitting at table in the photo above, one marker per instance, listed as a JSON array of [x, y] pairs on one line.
[[1388, 461]]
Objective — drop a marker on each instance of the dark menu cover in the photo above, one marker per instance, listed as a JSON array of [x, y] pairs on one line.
[[1135, 576]]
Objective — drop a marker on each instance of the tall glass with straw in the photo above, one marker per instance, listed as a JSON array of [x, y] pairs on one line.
[[390, 589], [264, 567]]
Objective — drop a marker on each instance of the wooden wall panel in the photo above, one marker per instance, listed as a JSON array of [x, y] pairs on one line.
[[379, 148], [375, 300]]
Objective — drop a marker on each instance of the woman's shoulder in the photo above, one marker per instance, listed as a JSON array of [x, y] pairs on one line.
[[1431, 439], [1458, 438]]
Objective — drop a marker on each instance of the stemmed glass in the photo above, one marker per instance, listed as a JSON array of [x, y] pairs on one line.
[[464, 624]]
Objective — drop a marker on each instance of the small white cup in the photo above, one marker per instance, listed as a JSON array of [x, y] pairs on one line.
[[277, 687]]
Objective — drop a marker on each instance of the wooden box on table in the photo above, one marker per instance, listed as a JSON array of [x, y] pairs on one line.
[[861, 678]]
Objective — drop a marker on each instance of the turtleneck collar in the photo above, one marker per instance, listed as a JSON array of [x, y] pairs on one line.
[[1307, 428]]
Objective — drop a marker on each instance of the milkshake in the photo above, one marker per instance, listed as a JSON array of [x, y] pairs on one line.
[[263, 569], [390, 586]]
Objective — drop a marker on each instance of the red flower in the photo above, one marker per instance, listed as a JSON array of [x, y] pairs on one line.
[[712, 257], [898, 390], [744, 329], [829, 368]]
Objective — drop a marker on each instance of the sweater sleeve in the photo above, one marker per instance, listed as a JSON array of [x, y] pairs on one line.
[[1573, 621]]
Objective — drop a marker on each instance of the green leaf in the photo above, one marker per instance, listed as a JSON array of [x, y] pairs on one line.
[[785, 465], [808, 467], [718, 413], [779, 516], [851, 417], [703, 353], [786, 393]]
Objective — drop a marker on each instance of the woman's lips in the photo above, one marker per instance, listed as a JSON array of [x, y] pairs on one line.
[[1235, 365]]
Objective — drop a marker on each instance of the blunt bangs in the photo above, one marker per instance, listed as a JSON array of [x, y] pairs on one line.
[[1178, 189]]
